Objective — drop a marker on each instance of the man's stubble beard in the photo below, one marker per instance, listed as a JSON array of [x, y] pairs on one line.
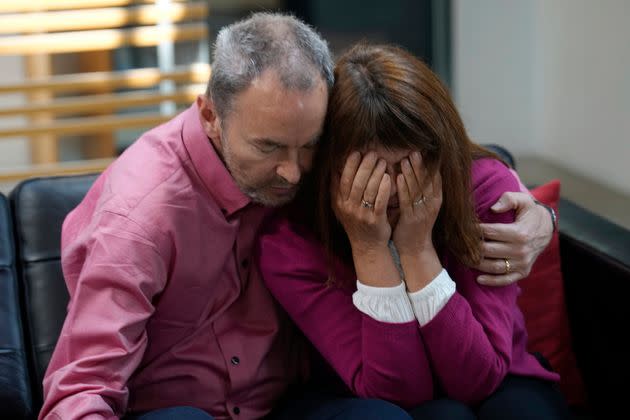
[[254, 193]]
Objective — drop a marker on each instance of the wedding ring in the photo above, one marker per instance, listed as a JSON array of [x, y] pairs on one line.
[[420, 200], [366, 204], [507, 265]]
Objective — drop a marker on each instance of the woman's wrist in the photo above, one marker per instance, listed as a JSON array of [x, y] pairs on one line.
[[420, 269], [375, 267]]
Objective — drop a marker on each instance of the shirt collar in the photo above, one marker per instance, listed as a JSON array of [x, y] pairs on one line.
[[211, 169]]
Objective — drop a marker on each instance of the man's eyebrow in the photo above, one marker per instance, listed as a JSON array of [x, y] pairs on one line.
[[265, 140]]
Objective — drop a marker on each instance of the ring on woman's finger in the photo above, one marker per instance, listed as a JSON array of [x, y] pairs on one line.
[[420, 200], [508, 267], [367, 204]]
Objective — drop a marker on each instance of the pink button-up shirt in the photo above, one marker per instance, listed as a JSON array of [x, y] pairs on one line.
[[163, 307]]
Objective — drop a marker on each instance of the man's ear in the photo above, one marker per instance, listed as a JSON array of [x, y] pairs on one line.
[[210, 121]]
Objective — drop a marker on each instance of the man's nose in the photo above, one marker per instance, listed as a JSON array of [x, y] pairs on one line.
[[290, 170]]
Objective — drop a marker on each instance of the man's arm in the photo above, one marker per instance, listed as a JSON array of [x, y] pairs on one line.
[[519, 243], [103, 338]]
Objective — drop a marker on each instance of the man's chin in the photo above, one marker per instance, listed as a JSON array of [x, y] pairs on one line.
[[274, 199]]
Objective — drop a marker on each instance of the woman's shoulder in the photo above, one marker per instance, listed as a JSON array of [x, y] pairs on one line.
[[282, 235], [281, 226], [288, 252], [487, 171], [490, 179]]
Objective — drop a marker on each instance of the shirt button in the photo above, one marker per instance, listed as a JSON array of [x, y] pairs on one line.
[[235, 360], [244, 263], [236, 410]]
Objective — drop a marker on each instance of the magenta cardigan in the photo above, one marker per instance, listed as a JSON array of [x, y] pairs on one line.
[[468, 348]]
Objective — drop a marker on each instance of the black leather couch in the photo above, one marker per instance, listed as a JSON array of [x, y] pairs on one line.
[[15, 392], [33, 296], [39, 207]]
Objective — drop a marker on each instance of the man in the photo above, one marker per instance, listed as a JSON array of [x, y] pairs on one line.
[[164, 319]]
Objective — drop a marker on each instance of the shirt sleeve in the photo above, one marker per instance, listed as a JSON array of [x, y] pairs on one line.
[[470, 339], [430, 300], [103, 337], [375, 359], [522, 187], [395, 305], [385, 304]]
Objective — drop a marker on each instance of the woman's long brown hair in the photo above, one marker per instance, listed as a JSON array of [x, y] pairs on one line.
[[384, 96]]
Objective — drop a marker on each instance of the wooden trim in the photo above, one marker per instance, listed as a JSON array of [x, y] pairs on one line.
[[87, 125], [105, 102], [100, 145], [38, 5], [55, 169], [129, 79], [43, 147], [103, 39], [72, 20]]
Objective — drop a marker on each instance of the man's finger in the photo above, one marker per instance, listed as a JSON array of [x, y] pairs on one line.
[[511, 201], [495, 249], [502, 232], [497, 266], [501, 280]]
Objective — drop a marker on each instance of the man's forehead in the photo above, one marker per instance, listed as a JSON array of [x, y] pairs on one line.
[[276, 123], [271, 81], [264, 100]]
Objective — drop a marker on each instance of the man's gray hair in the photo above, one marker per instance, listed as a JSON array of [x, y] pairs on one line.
[[245, 49]]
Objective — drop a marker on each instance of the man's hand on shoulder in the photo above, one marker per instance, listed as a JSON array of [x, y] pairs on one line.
[[510, 250]]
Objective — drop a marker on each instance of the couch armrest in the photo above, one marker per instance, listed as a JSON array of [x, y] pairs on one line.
[[15, 387], [595, 257]]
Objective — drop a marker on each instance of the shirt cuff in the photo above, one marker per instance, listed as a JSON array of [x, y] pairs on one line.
[[428, 301], [385, 304]]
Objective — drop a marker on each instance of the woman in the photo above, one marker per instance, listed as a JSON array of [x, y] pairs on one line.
[[372, 261]]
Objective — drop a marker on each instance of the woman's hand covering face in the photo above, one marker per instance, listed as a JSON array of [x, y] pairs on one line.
[[419, 199], [359, 198]]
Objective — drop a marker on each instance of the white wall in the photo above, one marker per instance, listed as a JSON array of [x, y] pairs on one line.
[[493, 68], [585, 61], [13, 151], [549, 78]]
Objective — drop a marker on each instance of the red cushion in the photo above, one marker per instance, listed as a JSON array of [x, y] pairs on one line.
[[543, 306]]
